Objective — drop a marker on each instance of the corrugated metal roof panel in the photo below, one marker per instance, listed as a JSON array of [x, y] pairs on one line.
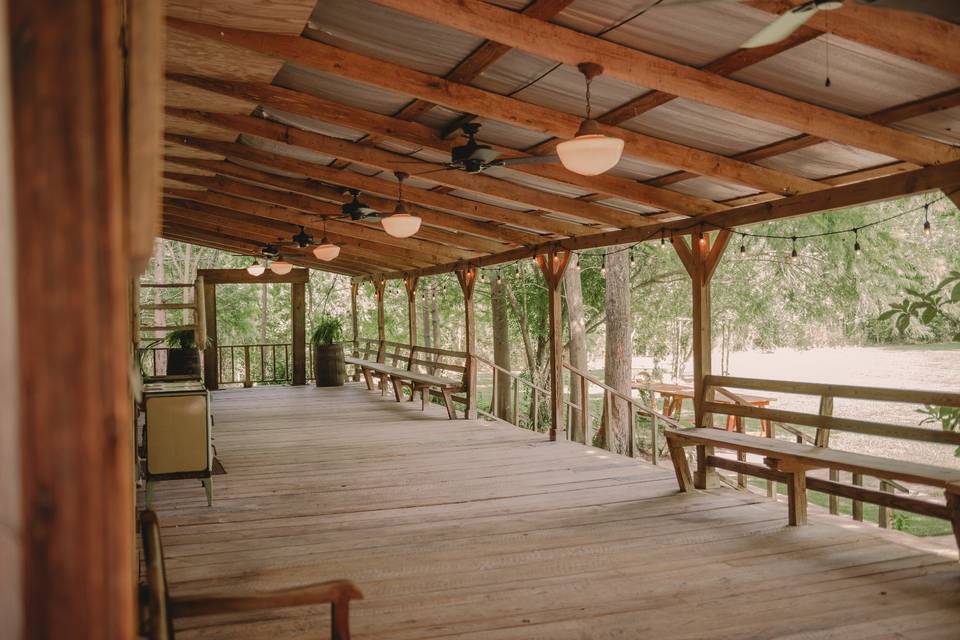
[[825, 159]]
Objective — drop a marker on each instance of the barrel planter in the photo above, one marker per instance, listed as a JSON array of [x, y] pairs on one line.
[[183, 362], [329, 369]]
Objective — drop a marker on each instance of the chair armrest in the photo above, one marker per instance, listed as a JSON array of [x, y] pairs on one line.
[[335, 592]]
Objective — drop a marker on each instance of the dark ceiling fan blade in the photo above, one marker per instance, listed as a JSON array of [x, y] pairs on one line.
[[506, 162]]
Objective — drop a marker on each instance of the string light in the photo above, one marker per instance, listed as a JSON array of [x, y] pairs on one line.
[[632, 260], [603, 264], [743, 247], [793, 252], [483, 277], [663, 238], [499, 278], [926, 220], [856, 243], [701, 238], [576, 263]]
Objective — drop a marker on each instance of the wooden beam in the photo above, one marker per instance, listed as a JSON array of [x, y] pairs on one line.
[[62, 80], [524, 219], [435, 217], [914, 36], [484, 56], [476, 183], [884, 188], [461, 97], [240, 276], [643, 69], [414, 133], [410, 286], [211, 354], [552, 266]]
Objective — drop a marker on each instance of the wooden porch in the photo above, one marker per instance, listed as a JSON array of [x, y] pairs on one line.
[[483, 530]]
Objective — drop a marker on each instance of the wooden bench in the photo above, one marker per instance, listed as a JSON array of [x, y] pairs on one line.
[[158, 608], [788, 462], [399, 365]]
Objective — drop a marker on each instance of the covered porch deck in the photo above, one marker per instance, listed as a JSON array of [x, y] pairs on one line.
[[476, 529]]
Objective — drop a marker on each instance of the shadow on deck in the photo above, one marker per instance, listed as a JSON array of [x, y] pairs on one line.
[[482, 530]]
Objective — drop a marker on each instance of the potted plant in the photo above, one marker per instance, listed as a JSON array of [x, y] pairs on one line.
[[329, 369], [183, 355]]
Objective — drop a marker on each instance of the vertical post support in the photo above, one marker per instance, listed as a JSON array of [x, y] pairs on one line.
[[298, 317], [700, 259], [410, 284], [552, 264], [211, 355], [467, 279], [354, 326], [823, 440], [379, 284]]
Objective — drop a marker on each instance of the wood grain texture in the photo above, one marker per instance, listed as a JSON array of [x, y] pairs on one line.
[[485, 531]]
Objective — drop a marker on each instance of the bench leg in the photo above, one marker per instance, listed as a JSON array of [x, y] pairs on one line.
[[706, 476], [680, 465], [797, 498], [396, 389], [448, 400], [368, 379], [953, 506], [424, 398], [340, 620]]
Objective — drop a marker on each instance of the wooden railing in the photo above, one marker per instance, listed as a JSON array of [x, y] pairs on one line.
[[525, 398], [635, 407], [823, 422], [250, 364]]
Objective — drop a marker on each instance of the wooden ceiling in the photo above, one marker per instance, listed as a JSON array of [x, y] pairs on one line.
[[276, 109]]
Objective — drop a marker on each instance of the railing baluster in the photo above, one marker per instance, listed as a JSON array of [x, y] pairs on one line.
[[857, 506], [493, 394], [247, 381], [273, 356], [585, 410], [536, 409], [263, 365], [884, 515], [632, 434], [516, 401]]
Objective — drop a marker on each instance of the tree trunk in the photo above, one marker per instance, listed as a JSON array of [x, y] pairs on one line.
[[617, 356], [425, 323], [263, 313], [578, 337], [501, 351]]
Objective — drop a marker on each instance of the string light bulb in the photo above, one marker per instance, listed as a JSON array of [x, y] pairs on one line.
[[499, 278], [701, 239], [632, 259], [603, 264], [856, 243], [743, 246], [663, 238], [793, 252], [926, 220]]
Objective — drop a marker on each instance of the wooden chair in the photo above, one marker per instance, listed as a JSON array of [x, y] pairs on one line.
[[159, 609]]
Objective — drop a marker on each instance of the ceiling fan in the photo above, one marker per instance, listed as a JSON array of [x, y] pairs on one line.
[[791, 20], [356, 210]]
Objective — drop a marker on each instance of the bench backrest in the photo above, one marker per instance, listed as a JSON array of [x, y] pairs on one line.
[[824, 420], [438, 362]]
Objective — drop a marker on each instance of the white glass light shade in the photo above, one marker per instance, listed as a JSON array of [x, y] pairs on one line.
[[326, 251], [281, 267], [401, 225], [590, 154], [256, 269]]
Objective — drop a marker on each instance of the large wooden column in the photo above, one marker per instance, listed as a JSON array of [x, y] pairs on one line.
[[552, 265], [700, 258], [467, 279], [378, 286], [298, 320], [354, 325], [73, 325], [410, 284], [211, 356]]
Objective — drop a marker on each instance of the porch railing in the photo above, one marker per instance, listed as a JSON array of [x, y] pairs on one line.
[[525, 397], [635, 408], [249, 364]]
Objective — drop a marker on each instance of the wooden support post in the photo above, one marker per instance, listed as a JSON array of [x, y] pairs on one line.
[[823, 440], [701, 260], [885, 514], [74, 553], [379, 284], [354, 326], [211, 356], [410, 284], [552, 264], [247, 379], [298, 318], [856, 505], [467, 279]]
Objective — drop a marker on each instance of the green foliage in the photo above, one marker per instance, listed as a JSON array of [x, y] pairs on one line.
[[327, 330]]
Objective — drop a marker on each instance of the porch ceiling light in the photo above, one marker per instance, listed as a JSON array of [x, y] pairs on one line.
[[281, 267], [401, 224], [256, 269], [326, 250], [591, 152]]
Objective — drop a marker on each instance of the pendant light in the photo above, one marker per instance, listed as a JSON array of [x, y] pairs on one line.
[[591, 152], [326, 250], [256, 269], [401, 224], [281, 267]]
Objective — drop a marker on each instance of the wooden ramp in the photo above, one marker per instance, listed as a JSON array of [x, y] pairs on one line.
[[485, 531]]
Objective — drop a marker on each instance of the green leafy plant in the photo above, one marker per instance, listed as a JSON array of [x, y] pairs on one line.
[[328, 330], [183, 339]]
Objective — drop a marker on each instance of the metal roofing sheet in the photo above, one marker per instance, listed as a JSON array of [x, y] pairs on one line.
[[825, 159]]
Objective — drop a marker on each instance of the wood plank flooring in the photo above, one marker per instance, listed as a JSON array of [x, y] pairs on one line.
[[484, 531]]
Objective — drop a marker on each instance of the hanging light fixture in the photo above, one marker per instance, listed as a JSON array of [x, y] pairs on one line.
[[591, 152], [256, 269], [281, 267], [326, 250], [401, 224]]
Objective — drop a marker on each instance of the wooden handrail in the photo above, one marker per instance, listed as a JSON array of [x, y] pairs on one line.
[[635, 402], [513, 375], [882, 394]]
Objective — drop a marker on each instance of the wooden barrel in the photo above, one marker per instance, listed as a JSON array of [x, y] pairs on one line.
[[328, 366]]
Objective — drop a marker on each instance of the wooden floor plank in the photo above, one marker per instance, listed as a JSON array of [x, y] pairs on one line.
[[465, 529]]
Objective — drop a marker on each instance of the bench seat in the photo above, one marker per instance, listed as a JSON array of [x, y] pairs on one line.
[[788, 462]]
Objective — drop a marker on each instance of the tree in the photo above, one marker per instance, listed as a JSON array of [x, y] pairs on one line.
[[577, 345], [617, 359], [501, 349]]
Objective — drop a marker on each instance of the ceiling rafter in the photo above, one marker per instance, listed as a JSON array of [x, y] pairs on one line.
[[646, 70], [415, 133], [314, 188], [387, 75], [523, 219]]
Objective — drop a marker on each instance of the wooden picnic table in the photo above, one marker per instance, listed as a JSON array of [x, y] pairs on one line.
[[674, 394]]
